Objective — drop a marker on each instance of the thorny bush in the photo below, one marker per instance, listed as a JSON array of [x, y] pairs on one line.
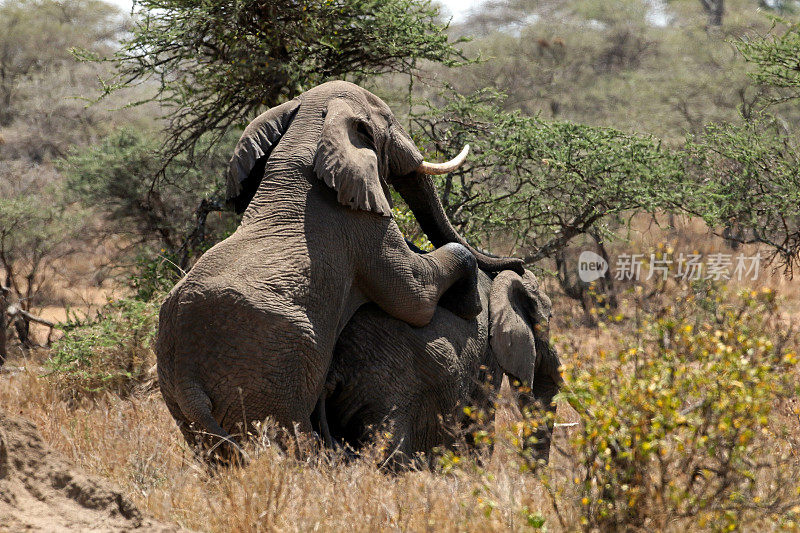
[[683, 424], [111, 352]]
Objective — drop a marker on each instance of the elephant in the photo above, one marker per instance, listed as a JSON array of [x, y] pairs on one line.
[[413, 383], [249, 332]]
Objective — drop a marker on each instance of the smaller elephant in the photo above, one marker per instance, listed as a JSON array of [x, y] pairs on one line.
[[414, 383]]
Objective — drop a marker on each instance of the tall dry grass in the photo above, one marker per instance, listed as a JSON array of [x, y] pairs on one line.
[[134, 443]]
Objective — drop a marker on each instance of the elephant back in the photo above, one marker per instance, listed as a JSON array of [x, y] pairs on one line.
[[389, 376]]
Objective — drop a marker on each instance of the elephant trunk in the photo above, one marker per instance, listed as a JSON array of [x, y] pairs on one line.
[[419, 192], [546, 383]]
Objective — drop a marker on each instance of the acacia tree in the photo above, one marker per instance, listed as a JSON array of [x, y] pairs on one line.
[[37, 35], [116, 175], [534, 187], [777, 61], [747, 173], [213, 66], [35, 231], [537, 184], [217, 64], [540, 184], [748, 183]]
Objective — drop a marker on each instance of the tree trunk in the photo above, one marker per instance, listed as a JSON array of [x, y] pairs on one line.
[[23, 329], [3, 339], [714, 9], [607, 286], [715, 18]]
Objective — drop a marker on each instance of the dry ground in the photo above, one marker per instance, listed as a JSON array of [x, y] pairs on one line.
[[134, 444], [40, 490]]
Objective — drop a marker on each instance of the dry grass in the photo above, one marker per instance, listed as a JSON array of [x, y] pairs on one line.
[[134, 443]]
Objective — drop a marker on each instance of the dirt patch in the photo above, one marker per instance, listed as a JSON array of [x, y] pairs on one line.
[[42, 491]]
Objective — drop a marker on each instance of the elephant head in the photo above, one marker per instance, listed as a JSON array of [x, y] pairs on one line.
[[519, 338], [359, 151]]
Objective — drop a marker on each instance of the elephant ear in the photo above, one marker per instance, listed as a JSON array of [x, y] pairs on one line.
[[518, 314], [246, 167], [347, 161]]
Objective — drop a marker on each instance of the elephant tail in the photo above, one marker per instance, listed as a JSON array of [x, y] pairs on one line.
[[195, 405]]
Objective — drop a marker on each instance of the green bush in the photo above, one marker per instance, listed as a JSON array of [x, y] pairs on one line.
[[683, 426], [111, 352], [37, 228], [116, 175], [680, 427], [155, 276]]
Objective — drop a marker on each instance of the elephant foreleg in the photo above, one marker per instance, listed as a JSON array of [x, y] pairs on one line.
[[409, 286]]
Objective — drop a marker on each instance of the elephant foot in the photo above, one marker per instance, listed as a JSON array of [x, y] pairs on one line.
[[462, 299]]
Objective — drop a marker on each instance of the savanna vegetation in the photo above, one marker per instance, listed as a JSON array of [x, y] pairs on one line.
[[649, 131]]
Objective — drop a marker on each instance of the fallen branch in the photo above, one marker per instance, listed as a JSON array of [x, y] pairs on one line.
[[686, 410], [13, 311]]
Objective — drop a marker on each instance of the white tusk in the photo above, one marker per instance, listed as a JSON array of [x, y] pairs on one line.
[[444, 168]]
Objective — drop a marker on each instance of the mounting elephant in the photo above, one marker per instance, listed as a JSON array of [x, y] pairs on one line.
[[249, 332], [414, 382]]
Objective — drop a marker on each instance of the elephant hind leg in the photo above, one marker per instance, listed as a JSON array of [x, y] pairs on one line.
[[321, 418], [218, 444]]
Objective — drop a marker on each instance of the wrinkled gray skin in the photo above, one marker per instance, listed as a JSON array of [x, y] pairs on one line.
[[415, 382], [249, 332]]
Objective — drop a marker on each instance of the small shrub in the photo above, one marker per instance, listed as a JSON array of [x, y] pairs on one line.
[[112, 352], [155, 275], [679, 428]]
